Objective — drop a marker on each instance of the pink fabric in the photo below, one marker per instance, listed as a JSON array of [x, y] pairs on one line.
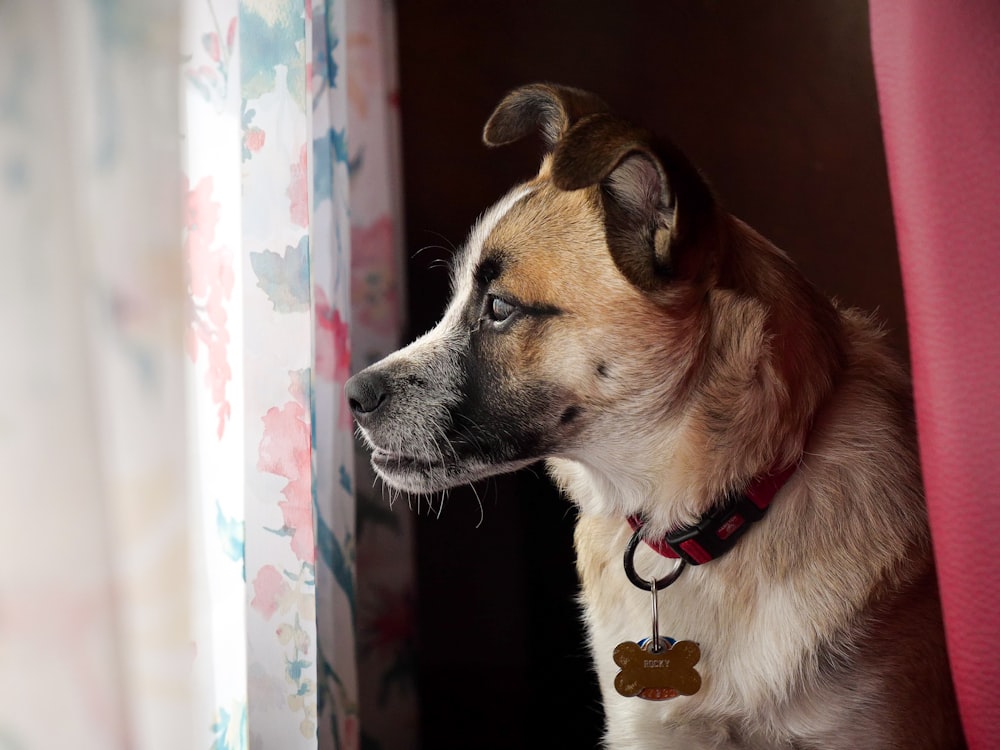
[[937, 68]]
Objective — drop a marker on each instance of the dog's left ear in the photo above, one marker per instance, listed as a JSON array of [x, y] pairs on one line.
[[656, 205]]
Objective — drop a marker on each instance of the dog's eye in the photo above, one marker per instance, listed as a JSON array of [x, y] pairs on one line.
[[498, 310]]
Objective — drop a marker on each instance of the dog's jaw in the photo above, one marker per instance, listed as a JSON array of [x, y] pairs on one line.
[[420, 476]]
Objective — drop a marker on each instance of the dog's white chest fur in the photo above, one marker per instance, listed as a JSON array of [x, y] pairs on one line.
[[753, 650]]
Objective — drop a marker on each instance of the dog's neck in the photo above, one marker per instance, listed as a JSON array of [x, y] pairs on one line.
[[717, 531], [771, 367]]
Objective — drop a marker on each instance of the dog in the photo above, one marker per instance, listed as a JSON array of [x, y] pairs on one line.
[[752, 544]]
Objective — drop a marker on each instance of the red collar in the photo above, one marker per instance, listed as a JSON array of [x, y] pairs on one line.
[[717, 531]]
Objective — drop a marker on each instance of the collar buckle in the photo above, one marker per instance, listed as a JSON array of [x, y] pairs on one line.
[[716, 532]]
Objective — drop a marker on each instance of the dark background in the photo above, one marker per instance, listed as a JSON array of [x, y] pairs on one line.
[[775, 101]]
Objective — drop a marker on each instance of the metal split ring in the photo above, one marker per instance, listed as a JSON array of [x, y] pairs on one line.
[[652, 584]]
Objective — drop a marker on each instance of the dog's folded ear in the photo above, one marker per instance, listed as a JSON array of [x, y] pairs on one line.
[[546, 106], [656, 204]]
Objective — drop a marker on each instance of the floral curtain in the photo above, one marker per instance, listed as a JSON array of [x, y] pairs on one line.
[[199, 210]]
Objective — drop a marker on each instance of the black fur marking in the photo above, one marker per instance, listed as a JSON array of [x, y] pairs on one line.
[[498, 418], [540, 311], [489, 268], [602, 369], [570, 414]]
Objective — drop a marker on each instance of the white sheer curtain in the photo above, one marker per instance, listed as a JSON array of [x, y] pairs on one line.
[[182, 187]]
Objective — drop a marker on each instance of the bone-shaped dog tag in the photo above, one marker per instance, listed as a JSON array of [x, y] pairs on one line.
[[657, 675]]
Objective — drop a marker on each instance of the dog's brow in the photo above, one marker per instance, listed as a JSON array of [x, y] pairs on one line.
[[481, 231]]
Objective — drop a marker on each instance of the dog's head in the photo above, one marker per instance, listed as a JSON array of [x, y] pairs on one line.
[[580, 310]]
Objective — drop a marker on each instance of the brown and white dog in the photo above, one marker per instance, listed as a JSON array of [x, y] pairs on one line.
[[668, 362]]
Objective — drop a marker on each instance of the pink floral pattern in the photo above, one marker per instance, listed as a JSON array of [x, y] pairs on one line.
[[298, 190], [269, 588], [286, 450], [211, 79], [374, 286], [210, 286], [333, 351]]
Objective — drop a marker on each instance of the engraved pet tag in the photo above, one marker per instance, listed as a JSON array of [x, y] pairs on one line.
[[657, 675]]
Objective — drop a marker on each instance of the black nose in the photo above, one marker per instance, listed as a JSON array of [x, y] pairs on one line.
[[367, 393]]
